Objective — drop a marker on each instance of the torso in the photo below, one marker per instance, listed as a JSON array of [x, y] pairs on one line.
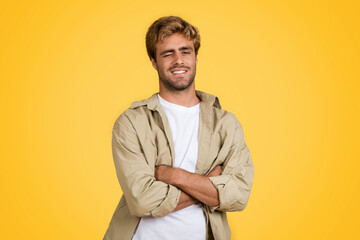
[[190, 222]]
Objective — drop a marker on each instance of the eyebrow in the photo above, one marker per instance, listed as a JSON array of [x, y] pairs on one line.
[[172, 50]]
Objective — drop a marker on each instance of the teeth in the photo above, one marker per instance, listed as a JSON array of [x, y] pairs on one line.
[[179, 71]]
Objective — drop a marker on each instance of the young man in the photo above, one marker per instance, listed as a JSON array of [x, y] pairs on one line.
[[181, 160]]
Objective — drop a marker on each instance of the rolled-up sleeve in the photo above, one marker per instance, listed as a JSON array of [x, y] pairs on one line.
[[144, 195], [235, 182]]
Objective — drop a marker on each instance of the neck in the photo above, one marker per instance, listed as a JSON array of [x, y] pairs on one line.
[[186, 98]]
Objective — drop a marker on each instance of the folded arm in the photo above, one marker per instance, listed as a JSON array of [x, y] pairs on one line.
[[185, 200], [197, 186], [144, 195], [235, 182], [228, 191]]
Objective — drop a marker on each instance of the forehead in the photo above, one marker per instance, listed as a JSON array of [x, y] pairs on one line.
[[174, 41]]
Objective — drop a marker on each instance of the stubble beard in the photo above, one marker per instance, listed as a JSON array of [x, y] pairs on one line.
[[171, 86]]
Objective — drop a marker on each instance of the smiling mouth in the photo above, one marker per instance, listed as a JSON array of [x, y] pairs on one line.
[[178, 72]]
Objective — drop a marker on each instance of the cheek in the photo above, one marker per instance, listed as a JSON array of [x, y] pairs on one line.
[[163, 67], [191, 61]]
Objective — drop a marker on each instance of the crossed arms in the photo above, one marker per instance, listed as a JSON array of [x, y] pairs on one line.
[[151, 191], [194, 186]]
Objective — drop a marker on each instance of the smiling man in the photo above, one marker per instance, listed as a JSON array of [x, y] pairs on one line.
[[181, 159]]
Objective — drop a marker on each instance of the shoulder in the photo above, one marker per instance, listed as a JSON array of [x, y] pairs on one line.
[[225, 120], [228, 127], [131, 117], [221, 118], [137, 115]]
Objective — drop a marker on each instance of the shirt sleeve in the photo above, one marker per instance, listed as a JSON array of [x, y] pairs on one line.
[[144, 195], [234, 184]]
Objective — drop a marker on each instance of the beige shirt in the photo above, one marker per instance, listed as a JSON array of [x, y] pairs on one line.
[[142, 140]]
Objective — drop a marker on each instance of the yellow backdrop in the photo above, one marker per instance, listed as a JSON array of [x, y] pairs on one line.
[[289, 71]]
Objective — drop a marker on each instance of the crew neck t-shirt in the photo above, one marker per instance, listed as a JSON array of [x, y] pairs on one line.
[[188, 223]]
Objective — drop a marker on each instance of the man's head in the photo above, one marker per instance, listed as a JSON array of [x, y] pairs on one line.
[[167, 26], [172, 45]]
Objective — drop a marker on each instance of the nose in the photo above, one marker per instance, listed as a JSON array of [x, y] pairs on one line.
[[178, 58]]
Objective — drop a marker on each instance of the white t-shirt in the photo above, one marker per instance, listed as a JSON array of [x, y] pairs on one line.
[[188, 223]]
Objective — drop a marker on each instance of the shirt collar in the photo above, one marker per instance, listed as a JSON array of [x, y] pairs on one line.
[[153, 102]]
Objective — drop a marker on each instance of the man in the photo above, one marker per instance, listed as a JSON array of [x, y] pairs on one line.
[[181, 160]]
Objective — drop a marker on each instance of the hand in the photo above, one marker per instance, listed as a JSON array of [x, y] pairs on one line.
[[215, 172]]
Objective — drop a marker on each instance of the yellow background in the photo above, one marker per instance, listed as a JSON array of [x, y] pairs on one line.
[[289, 71]]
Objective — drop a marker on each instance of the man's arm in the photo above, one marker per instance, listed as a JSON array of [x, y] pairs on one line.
[[195, 185], [235, 182], [185, 201], [144, 195], [229, 191]]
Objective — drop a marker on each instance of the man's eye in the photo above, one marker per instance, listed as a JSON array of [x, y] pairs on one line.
[[186, 52]]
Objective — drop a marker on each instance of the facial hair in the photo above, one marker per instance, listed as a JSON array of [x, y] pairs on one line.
[[169, 84]]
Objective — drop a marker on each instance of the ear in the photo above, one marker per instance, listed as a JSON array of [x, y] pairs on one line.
[[195, 60], [153, 63]]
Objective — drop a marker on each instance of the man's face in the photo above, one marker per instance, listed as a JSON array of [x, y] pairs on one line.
[[175, 62]]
